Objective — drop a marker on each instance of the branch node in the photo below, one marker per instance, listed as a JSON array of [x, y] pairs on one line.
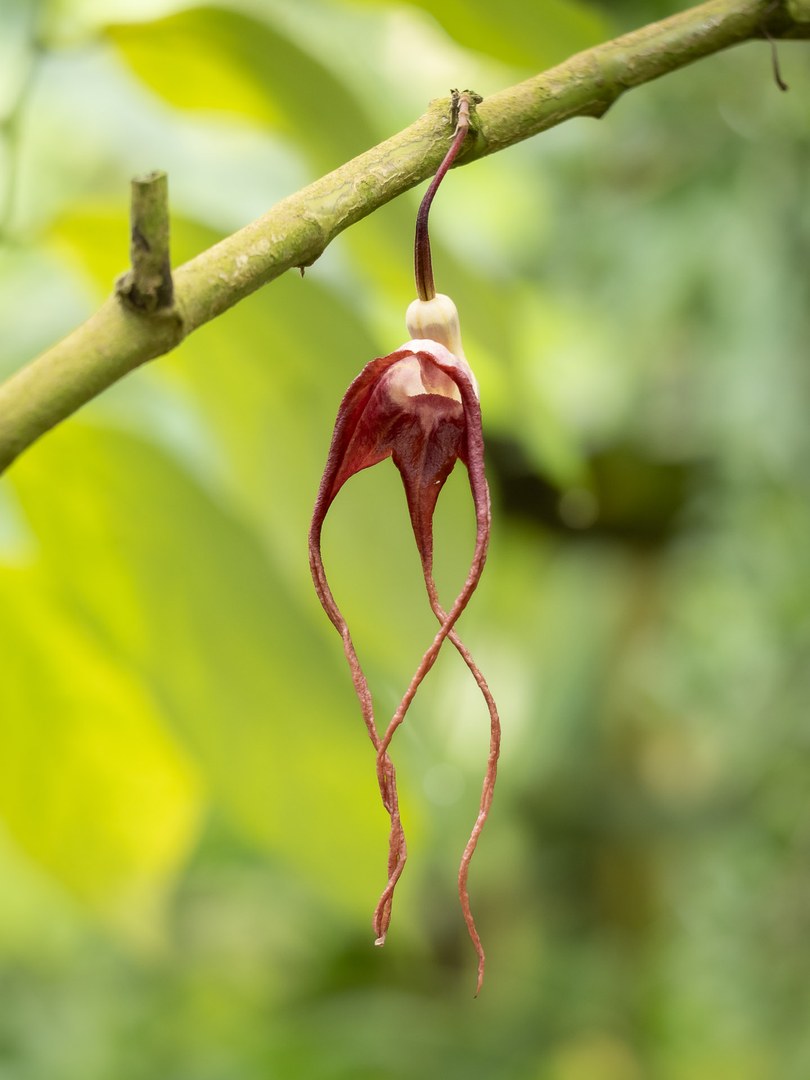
[[147, 288], [466, 101]]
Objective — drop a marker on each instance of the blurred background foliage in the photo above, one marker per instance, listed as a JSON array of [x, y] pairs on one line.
[[190, 837]]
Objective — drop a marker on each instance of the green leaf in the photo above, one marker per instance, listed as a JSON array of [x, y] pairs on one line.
[[210, 59], [528, 35], [92, 786]]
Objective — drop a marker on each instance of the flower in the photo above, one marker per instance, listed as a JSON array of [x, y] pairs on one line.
[[418, 405]]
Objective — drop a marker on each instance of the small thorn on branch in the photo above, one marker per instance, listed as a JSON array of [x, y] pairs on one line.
[[147, 287], [777, 71]]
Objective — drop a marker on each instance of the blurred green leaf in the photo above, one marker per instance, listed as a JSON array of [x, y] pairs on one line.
[[92, 786], [82, 238], [526, 35], [208, 58]]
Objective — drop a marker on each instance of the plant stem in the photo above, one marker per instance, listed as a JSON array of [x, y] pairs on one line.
[[422, 262]]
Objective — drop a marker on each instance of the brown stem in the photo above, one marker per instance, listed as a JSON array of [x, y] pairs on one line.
[[422, 262]]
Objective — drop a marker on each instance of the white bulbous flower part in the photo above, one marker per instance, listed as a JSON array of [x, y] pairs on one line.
[[436, 322]]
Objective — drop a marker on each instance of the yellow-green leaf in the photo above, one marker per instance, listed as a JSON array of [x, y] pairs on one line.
[[92, 785], [527, 35], [219, 61]]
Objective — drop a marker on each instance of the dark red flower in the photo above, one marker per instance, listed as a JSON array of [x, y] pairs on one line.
[[418, 405]]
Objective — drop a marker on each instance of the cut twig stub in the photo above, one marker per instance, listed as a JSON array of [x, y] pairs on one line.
[[147, 287]]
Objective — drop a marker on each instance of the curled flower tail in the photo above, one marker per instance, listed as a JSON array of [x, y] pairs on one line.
[[489, 776], [386, 773], [422, 519], [423, 482], [446, 630]]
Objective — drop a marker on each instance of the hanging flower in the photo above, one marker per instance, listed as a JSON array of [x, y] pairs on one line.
[[418, 405]]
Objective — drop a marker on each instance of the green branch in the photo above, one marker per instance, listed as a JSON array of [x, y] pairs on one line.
[[296, 231]]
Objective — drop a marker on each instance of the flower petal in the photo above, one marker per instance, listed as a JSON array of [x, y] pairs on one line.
[[357, 440]]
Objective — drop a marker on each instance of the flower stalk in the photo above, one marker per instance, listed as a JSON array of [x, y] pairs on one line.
[[423, 266]]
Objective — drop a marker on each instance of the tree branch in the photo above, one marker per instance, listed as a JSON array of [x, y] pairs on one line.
[[297, 230]]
